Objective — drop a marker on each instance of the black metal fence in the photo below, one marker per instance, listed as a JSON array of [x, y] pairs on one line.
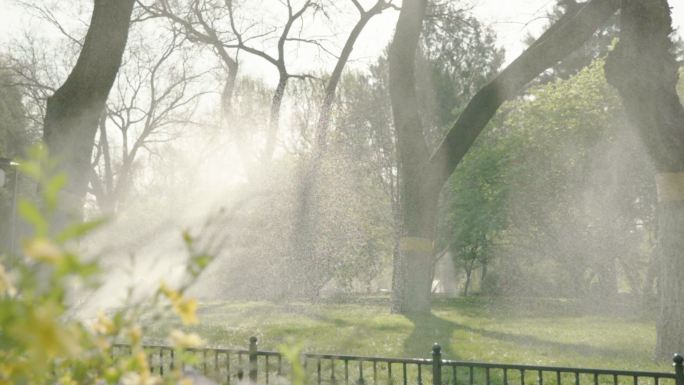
[[228, 366]]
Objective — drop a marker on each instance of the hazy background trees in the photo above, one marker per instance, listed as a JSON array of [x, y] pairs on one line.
[[541, 190]]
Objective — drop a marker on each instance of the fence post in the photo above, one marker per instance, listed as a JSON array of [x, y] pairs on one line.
[[679, 369], [253, 359], [437, 365]]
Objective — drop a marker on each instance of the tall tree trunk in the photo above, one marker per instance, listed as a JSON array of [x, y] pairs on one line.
[[229, 85], [323, 125], [483, 273], [644, 71], [649, 291], [670, 324], [418, 199], [228, 118], [72, 113], [274, 119], [467, 283]]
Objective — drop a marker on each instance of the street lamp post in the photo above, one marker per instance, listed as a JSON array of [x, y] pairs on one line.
[[8, 163]]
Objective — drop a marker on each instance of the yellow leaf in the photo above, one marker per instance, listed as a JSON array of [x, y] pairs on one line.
[[183, 340], [187, 310], [6, 286], [171, 294], [104, 325], [135, 335], [43, 250]]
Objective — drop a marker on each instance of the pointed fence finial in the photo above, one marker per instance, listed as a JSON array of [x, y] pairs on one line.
[[253, 359], [679, 369]]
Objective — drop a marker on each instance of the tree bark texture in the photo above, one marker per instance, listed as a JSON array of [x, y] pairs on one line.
[[643, 69], [72, 113]]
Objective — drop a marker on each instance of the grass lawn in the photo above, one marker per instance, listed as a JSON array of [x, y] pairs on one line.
[[548, 332]]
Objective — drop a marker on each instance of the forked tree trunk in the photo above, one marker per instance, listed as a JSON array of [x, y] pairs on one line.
[[422, 175], [72, 114]]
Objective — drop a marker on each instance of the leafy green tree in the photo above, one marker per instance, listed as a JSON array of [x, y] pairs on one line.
[[578, 205], [475, 200]]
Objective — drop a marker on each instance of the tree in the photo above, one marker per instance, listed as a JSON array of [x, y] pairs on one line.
[[202, 20], [581, 223], [474, 201], [457, 56], [423, 175], [14, 137], [644, 70], [198, 22], [154, 96], [73, 111], [36, 68], [304, 227], [352, 242], [363, 113]]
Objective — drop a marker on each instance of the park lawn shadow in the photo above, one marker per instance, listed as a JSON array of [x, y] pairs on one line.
[[506, 308], [429, 328]]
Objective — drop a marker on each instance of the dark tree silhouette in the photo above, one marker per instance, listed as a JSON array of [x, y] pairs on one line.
[[73, 111]]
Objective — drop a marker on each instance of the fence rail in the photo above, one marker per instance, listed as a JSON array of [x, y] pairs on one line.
[[228, 366]]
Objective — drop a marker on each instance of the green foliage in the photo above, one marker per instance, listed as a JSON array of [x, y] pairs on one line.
[[582, 177], [293, 354], [475, 200], [560, 186]]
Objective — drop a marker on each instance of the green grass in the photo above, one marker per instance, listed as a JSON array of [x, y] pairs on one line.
[[530, 332]]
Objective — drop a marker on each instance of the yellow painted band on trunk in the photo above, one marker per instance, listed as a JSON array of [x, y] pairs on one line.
[[670, 186], [416, 244]]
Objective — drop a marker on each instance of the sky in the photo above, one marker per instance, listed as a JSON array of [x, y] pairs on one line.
[[512, 20]]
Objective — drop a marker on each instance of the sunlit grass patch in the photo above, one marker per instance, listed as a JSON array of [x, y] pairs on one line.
[[468, 329]]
